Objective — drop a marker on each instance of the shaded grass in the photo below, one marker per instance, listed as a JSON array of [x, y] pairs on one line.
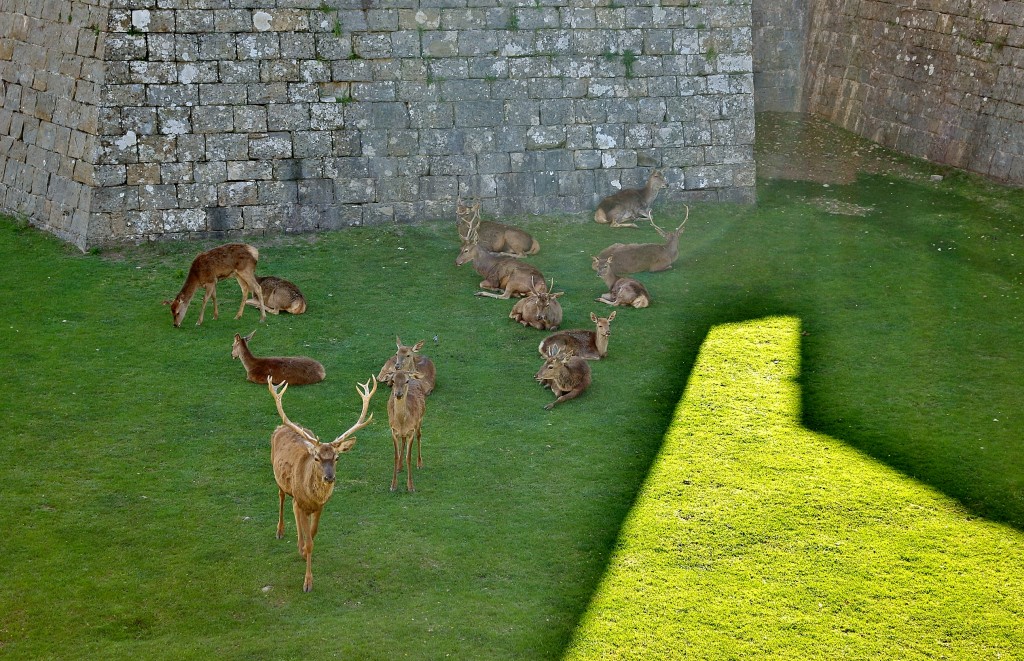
[[139, 502], [754, 537]]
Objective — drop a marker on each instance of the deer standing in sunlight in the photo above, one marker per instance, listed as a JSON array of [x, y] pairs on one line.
[[304, 469]]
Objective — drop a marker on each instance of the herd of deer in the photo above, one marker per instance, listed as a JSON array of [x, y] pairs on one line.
[[304, 467]]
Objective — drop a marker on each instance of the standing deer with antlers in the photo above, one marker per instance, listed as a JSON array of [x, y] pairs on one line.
[[233, 259], [506, 274], [305, 470], [638, 257]]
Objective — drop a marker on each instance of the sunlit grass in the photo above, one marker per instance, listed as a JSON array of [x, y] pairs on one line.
[[754, 537]]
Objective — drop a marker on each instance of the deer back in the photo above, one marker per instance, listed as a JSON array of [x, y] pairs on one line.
[[296, 370], [281, 294]]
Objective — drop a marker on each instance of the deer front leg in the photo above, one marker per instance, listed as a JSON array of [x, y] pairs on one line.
[[211, 290], [280, 514], [419, 450], [564, 396], [407, 451], [398, 460], [302, 527]]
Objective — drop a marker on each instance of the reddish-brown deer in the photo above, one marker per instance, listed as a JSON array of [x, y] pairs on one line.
[[586, 344], [566, 374], [279, 295], [305, 469], [406, 407], [505, 274], [408, 358], [236, 260], [540, 310], [296, 370], [639, 257], [630, 203], [497, 237], [621, 290]]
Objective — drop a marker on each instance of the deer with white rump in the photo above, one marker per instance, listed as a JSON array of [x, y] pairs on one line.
[[305, 469], [236, 260], [506, 274], [408, 358], [587, 344], [279, 295], [497, 237], [621, 290], [639, 257]]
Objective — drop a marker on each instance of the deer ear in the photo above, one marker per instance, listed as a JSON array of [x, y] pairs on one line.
[[593, 317], [418, 345], [611, 316], [344, 445]]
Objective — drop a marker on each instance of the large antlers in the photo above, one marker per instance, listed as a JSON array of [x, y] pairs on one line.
[[365, 393], [678, 230]]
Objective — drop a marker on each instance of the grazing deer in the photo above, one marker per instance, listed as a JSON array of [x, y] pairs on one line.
[[540, 309], [621, 290], [406, 407], [497, 237], [232, 259], [566, 374], [630, 203], [407, 358], [296, 370], [587, 344], [638, 257], [506, 274], [305, 470], [279, 295]]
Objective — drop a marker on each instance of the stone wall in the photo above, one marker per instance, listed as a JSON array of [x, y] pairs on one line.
[[938, 79], [51, 72], [234, 117], [780, 34]]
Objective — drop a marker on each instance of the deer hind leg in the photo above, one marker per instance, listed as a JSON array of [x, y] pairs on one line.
[[280, 514], [248, 283], [419, 449]]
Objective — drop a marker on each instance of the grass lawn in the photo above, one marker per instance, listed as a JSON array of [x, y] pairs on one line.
[[864, 496]]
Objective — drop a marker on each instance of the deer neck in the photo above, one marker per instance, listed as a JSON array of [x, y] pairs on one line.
[[650, 192], [318, 491], [484, 260], [609, 277], [601, 343], [245, 355]]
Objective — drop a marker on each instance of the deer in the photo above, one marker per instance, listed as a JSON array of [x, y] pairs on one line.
[[638, 257], [305, 469], [630, 203], [279, 295], [296, 370], [586, 344], [499, 238], [540, 309], [506, 274], [566, 374], [408, 358], [406, 406], [232, 259], [621, 290]]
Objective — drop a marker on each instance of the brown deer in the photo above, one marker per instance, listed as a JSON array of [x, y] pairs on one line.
[[496, 237], [566, 374], [305, 470], [296, 370], [406, 406], [630, 203], [232, 259], [540, 309], [279, 295], [408, 358], [587, 344], [506, 274], [621, 290], [638, 257]]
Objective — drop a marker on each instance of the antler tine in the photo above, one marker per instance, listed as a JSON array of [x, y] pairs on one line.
[[660, 231], [365, 393], [687, 217], [278, 392]]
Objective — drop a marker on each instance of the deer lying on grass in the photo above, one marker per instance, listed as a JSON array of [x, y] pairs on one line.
[[497, 237], [621, 290], [305, 470], [296, 370], [506, 274], [232, 259], [407, 358], [630, 203], [567, 375], [279, 295], [540, 309], [406, 407], [638, 257], [587, 344]]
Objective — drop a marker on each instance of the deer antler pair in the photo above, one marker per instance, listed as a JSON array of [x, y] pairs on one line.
[[662, 232], [365, 393]]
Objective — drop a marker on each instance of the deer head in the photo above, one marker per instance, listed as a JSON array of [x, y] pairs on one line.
[[405, 355]]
